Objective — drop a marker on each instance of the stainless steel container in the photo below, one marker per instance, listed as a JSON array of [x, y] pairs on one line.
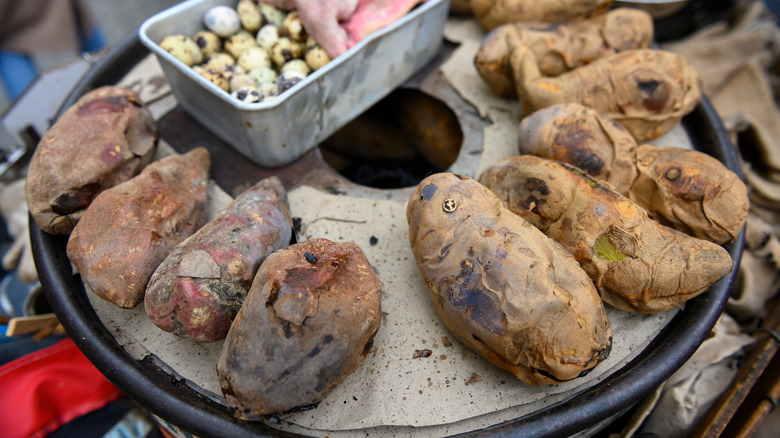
[[279, 131]]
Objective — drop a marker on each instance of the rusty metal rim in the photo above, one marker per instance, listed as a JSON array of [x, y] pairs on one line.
[[175, 402]]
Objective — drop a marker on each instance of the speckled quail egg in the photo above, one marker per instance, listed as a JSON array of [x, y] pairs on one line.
[[293, 26], [215, 77], [218, 61], [254, 57], [249, 14], [208, 41], [288, 79], [268, 91], [231, 70], [284, 50], [242, 81], [236, 44], [222, 20], [298, 65], [264, 75], [248, 95], [267, 36], [310, 42], [182, 48], [272, 15], [316, 57]]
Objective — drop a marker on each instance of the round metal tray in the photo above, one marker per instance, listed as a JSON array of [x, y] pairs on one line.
[[175, 402]]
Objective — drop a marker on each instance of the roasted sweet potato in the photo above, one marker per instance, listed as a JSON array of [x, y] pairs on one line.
[[129, 229], [685, 189], [561, 47], [582, 137], [648, 91], [105, 139], [492, 13], [197, 290], [308, 322], [636, 263], [503, 288]]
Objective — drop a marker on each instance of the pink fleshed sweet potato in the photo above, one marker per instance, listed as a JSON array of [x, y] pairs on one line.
[[129, 229], [197, 290], [105, 139]]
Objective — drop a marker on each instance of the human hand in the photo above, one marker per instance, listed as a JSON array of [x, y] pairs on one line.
[[321, 20], [337, 25]]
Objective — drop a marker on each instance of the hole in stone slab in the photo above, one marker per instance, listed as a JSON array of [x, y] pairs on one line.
[[397, 142]]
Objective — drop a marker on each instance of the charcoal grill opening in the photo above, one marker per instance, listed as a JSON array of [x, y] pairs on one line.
[[397, 142]]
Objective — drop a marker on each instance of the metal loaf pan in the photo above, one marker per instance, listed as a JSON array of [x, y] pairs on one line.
[[277, 132]]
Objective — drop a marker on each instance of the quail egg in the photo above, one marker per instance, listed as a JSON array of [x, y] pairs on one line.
[[222, 20]]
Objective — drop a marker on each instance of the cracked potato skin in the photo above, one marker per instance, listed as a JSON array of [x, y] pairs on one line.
[[502, 287], [637, 264], [561, 47], [647, 91], [129, 229], [197, 290], [104, 139], [687, 190], [308, 322]]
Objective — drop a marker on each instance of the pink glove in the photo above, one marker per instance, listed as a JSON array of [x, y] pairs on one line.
[[337, 25]]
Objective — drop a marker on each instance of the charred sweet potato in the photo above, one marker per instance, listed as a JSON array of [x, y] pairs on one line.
[[691, 191], [502, 287], [197, 290], [129, 229], [647, 91], [105, 139], [561, 47], [637, 264], [308, 322], [492, 13], [582, 137], [685, 189]]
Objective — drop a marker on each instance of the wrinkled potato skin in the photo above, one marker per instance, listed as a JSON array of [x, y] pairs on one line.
[[561, 47], [583, 138], [307, 323], [690, 191], [492, 13], [129, 229], [685, 189], [110, 134], [653, 268], [647, 91], [197, 290], [503, 288]]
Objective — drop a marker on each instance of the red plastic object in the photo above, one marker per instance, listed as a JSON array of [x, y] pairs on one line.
[[43, 390]]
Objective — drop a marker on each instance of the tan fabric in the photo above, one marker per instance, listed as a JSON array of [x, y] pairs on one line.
[[27, 26]]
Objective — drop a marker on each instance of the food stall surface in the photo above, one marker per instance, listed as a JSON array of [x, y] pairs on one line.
[[326, 177]]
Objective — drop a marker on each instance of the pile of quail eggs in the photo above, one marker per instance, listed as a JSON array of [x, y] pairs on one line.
[[254, 52]]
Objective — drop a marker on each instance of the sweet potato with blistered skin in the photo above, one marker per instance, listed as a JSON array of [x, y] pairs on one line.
[[105, 139], [647, 91], [685, 189], [197, 290], [561, 47], [308, 322], [129, 229], [690, 191], [492, 13], [582, 137], [502, 287], [636, 263]]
